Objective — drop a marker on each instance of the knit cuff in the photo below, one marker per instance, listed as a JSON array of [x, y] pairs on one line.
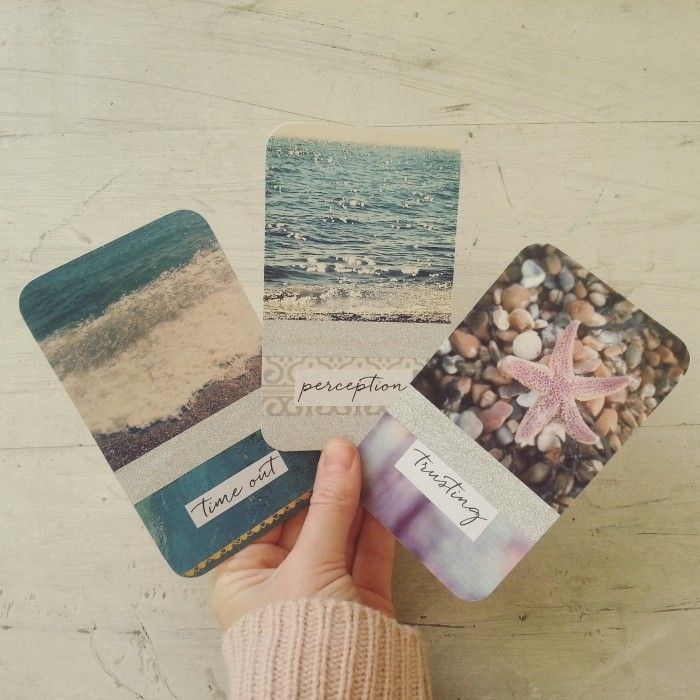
[[323, 648]]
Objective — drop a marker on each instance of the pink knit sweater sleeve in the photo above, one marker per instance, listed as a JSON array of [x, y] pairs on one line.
[[319, 648]]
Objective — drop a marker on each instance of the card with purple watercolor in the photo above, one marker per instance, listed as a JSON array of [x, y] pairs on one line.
[[520, 408]]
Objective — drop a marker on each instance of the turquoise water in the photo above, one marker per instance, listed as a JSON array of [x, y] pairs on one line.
[[145, 333], [149, 334], [84, 288], [183, 544]]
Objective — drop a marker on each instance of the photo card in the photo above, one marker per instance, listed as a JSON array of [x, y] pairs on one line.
[[157, 345], [359, 255], [516, 413]]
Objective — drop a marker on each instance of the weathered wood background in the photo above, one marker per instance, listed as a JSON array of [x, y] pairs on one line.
[[578, 123]]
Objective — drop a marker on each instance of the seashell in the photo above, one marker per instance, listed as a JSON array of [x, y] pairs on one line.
[[466, 344], [587, 469], [566, 279], [500, 319], [553, 264], [515, 297], [551, 436], [520, 320], [597, 299], [504, 436], [527, 345], [538, 473], [607, 421], [449, 364], [495, 416], [532, 274], [470, 423], [487, 399]]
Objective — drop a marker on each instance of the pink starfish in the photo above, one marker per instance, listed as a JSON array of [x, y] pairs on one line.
[[557, 389]]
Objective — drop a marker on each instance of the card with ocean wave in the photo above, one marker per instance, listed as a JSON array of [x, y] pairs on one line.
[[157, 345], [515, 414], [359, 254]]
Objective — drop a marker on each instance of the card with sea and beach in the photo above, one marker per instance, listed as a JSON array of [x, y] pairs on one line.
[[359, 253], [157, 345], [535, 390]]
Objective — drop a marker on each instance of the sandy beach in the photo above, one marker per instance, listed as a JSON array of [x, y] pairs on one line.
[[149, 334], [421, 303], [124, 446]]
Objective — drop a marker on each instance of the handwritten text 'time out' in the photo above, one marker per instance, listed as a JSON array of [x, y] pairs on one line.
[[236, 488]]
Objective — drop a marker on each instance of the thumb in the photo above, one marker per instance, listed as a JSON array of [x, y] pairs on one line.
[[334, 502]]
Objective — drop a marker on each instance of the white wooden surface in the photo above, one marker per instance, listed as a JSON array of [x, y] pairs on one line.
[[579, 126]]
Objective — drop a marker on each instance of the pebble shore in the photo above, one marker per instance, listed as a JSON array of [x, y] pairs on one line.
[[522, 314]]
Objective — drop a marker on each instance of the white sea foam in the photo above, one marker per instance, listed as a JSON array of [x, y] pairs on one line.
[[359, 265], [349, 265], [314, 265], [370, 301], [145, 357], [351, 203]]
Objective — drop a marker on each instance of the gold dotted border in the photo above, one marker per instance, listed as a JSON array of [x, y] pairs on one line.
[[271, 520]]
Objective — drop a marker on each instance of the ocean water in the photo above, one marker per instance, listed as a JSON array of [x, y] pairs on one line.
[[359, 231], [85, 287], [136, 328]]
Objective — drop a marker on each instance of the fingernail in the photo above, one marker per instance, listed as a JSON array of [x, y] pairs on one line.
[[338, 453]]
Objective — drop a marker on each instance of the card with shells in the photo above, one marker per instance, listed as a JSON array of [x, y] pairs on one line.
[[519, 409]]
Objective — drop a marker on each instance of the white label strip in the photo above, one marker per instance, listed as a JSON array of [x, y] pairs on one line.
[[349, 387], [236, 488], [466, 508]]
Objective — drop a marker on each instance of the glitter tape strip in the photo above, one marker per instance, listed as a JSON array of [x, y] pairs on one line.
[[182, 453], [302, 431], [353, 338], [473, 463], [232, 546]]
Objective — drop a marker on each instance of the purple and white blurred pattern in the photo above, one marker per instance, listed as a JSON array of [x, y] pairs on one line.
[[471, 570]]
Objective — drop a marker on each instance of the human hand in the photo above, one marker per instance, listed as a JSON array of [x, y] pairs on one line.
[[333, 549]]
